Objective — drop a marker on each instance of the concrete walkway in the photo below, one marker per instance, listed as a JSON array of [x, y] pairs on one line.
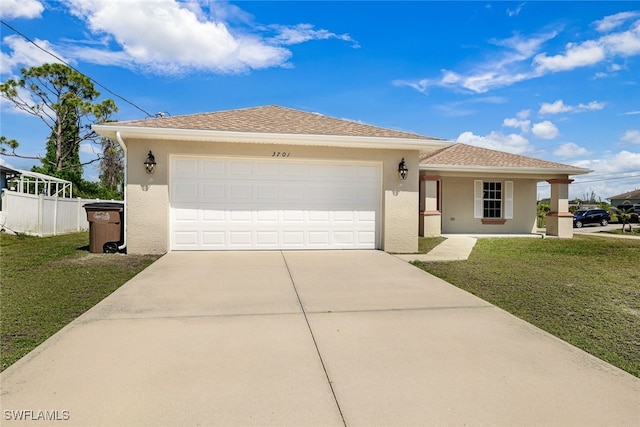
[[458, 247], [324, 338], [455, 248]]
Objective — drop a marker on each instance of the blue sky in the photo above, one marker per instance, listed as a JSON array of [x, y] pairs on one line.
[[558, 81]]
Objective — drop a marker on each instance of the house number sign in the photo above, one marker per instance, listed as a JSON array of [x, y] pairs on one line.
[[281, 154]]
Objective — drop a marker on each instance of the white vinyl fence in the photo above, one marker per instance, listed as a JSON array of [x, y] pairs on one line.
[[41, 215]]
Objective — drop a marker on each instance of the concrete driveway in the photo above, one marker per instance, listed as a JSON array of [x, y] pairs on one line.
[[356, 338]]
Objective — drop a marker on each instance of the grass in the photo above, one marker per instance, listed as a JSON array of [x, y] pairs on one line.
[[45, 283], [635, 231], [584, 290]]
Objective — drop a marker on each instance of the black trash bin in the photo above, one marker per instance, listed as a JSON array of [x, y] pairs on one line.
[[106, 226]]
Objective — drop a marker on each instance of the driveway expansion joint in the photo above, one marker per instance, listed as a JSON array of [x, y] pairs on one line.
[[395, 310], [315, 343]]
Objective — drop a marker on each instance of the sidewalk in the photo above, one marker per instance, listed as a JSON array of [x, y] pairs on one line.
[[455, 248], [459, 247]]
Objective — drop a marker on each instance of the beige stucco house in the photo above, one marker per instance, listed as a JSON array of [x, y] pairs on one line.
[[269, 178]]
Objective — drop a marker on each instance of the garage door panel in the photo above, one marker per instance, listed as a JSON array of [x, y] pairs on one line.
[[240, 169], [268, 216], [213, 238], [240, 238], [236, 204], [366, 237], [267, 192], [186, 237], [186, 215], [292, 238], [318, 216], [367, 172], [212, 191], [292, 170], [213, 215], [344, 237], [240, 216], [342, 171], [186, 168], [186, 190], [214, 168], [267, 170], [289, 216]]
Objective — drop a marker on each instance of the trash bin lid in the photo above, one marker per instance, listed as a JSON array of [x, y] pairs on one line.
[[103, 205]]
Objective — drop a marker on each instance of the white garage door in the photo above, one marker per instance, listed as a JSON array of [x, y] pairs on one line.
[[222, 203]]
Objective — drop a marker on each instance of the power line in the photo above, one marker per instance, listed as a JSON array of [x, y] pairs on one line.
[[75, 69], [599, 180]]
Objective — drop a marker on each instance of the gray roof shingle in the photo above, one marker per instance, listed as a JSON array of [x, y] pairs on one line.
[[271, 119], [468, 155], [635, 194]]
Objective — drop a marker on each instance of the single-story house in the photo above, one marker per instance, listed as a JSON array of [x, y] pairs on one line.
[[629, 198], [277, 178]]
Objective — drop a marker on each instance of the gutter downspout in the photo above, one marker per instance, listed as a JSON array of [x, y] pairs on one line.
[[124, 188]]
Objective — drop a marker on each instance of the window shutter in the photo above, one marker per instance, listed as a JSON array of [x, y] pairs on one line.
[[508, 200], [477, 199]]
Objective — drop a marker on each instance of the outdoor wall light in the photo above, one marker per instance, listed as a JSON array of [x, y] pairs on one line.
[[403, 170], [150, 163]]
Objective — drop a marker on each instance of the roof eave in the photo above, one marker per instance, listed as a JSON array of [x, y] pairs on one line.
[[423, 145], [505, 169]]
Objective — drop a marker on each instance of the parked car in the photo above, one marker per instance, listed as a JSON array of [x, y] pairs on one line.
[[590, 216]]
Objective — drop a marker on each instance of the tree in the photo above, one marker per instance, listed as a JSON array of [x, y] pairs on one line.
[[624, 215], [66, 102], [111, 165]]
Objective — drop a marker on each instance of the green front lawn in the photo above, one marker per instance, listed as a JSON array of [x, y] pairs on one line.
[[584, 290], [45, 283]]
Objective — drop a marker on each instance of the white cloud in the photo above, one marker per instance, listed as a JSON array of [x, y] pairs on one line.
[[576, 55], [523, 59], [512, 143], [163, 36], [559, 106], [503, 69], [175, 37], [625, 44], [632, 136], [545, 130], [615, 174], [12, 9], [88, 148], [620, 163], [611, 22], [590, 52], [570, 150], [524, 125], [25, 54], [516, 11], [554, 108], [304, 32]]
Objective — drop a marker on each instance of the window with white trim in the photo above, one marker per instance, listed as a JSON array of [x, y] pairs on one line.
[[493, 199]]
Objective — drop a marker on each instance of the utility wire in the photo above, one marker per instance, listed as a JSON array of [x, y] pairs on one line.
[[75, 69], [541, 184]]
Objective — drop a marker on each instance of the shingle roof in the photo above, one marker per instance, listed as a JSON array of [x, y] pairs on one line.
[[635, 194], [271, 119], [470, 156]]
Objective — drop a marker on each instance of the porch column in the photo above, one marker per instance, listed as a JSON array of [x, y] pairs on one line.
[[559, 219], [430, 215]]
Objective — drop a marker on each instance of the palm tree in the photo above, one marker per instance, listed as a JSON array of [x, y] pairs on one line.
[[624, 215]]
